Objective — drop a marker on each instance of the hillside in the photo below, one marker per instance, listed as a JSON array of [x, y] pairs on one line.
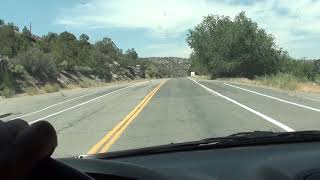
[[171, 66], [32, 64]]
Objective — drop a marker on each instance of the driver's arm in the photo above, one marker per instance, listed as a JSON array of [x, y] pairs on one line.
[[23, 145]]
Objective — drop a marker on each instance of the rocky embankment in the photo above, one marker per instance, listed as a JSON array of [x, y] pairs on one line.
[[21, 80]]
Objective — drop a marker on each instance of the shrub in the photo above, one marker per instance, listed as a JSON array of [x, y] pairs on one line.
[[151, 71], [8, 92], [38, 64], [86, 84], [7, 85], [317, 79], [83, 84], [19, 69], [32, 91], [49, 88], [83, 69]]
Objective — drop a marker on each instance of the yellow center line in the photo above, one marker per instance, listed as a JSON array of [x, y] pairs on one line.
[[110, 138]]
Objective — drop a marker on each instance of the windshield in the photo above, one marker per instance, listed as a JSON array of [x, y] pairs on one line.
[[119, 75]]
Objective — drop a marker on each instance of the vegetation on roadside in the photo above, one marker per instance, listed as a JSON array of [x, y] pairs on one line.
[[224, 47], [32, 90], [280, 81], [49, 88], [33, 64]]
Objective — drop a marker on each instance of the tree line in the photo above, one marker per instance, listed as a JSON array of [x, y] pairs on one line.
[[45, 57], [226, 47], [25, 56]]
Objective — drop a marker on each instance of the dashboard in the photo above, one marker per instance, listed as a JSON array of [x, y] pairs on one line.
[[298, 161]]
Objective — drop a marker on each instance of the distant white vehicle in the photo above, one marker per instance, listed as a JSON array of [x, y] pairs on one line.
[[193, 74]]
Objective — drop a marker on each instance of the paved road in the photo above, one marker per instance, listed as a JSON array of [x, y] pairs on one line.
[[149, 113]]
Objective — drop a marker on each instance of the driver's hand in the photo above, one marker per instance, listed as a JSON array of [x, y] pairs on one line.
[[23, 145]]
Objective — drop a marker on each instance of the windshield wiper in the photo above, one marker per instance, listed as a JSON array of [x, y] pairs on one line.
[[262, 137], [305, 135], [234, 140], [254, 134]]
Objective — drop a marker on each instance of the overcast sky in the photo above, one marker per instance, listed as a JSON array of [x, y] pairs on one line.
[[159, 28]]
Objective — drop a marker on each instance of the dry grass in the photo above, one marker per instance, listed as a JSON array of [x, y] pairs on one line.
[[285, 83], [309, 87], [202, 77], [239, 80], [87, 83], [48, 88]]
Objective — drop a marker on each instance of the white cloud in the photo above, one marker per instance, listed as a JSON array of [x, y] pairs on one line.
[[169, 18]]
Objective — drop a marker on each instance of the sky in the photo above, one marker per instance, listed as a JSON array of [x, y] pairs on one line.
[[160, 27]]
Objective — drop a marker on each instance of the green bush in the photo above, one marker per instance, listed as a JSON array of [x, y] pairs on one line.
[[32, 91], [317, 79], [86, 84], [83, 69], [38, 64], [19, 69], [151, 71], [49, 88], [7, 85], [8, 92], [238, 47], [83, 84]]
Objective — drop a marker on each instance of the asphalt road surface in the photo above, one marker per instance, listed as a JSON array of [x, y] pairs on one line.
[[163, 111]]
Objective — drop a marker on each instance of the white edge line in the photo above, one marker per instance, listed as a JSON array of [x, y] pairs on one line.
[[271, 120], [51, 106], [86, 102], [278, 99]]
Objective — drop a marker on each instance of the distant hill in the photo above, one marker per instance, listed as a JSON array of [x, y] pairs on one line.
[[173, 66]]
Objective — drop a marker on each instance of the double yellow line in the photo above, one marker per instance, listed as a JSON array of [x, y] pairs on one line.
[[110, 138]]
